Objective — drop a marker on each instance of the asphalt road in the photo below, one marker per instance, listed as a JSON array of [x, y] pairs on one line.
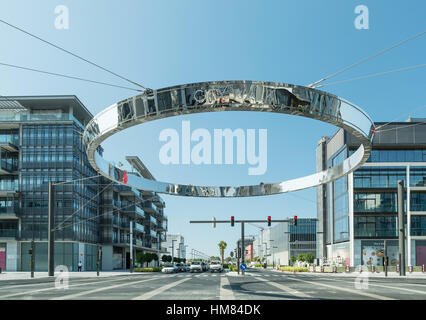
[[256, 284]]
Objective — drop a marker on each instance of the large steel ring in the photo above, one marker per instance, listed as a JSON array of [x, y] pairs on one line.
[[230, 96]]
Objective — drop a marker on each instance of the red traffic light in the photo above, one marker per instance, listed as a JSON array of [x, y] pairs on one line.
[[232, 221], [269, 221], [295, 220]]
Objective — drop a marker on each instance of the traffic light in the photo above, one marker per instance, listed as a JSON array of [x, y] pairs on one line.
[[232, 221], [269, 221], [295, 221], [214, 222]]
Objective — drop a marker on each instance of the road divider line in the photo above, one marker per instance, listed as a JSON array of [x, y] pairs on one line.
[[282, 287], [84, 293], [390, 287], [52, 288], [358, 292], [159, 290], [226, 294]]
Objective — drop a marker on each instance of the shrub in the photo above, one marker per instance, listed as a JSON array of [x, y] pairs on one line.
[[258, 265], [296, 269], [226, 266]]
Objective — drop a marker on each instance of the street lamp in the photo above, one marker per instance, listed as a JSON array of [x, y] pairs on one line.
[[173, 250]]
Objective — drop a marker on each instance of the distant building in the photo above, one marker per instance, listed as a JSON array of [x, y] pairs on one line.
[[279, 243], [179, 249]]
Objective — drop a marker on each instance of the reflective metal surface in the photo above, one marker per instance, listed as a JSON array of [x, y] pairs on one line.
[[230, 96]]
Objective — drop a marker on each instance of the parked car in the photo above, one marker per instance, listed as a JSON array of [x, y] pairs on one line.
[[181, 267], [196, 266], [216, 266], [169, 268]]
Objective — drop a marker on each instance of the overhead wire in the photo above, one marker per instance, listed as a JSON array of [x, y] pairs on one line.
[[73, 54], [66, 76], [314, 84], [372, 75]]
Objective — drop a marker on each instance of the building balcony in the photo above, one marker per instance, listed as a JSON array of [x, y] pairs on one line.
[[162, 227], [159, 202], [149, 207], [139, 227], [9, 146], [8, 233]]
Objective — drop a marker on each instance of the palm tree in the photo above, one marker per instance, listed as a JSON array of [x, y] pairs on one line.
[[222, 246]]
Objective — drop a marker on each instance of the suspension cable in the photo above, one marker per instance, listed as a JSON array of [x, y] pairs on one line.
[[372, 75], [312, 85], [66, 76], [73, 54]]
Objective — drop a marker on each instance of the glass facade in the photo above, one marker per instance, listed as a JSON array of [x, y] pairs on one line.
[[390, 155], [338, 204]]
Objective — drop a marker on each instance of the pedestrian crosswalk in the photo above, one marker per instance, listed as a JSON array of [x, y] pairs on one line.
[[227, 274]]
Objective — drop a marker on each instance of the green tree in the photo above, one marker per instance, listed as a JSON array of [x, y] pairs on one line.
[[222, 246], [141, 257], [310, 257], [293, 259], [301, 257]]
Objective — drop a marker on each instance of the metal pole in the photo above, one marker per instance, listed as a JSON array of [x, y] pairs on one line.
[[98, 264], [32, 258], [385, 253], [401, 227], [131, 246], [243, 251], [173, 250], [51, 232]]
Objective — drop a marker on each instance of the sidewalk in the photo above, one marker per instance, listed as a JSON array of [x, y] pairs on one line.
[[17, 275], [413, 275]]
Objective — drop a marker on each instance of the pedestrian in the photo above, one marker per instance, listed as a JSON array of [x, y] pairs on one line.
[[79, 266]]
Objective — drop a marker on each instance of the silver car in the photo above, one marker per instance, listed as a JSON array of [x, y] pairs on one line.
[[196, 266], [216, 266], [169, 268]]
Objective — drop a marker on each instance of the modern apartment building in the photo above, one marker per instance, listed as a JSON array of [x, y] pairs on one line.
[[358, 212], [177, 243], [40, 141], [279, 243], [125, 211]]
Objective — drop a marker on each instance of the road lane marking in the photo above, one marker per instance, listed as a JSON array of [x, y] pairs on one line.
[[359, 292], [52, 287], [282, 287], [390, 287], [79, 294], [226, 294], [159, 290]]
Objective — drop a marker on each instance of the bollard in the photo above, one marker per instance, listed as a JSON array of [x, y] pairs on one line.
[[373, 268], [322, 268], [360, 269], [423, 268], [0, 269], [314, 268], [410, 268], [397, 268], [347, 268]]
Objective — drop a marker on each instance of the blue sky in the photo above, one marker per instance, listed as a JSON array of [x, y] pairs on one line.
[[164, 43]]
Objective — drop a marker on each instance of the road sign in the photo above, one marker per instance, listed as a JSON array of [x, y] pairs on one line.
[[243, 266]]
